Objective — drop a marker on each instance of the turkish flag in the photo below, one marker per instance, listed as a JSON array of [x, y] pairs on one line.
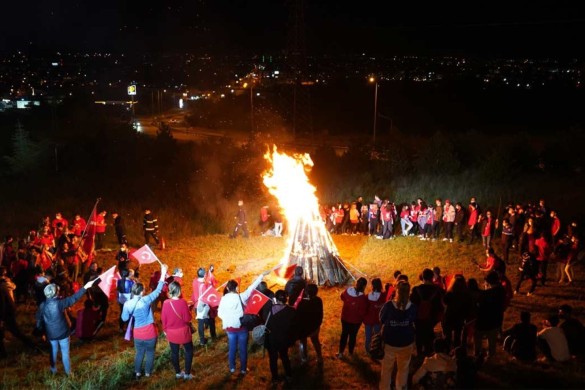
[[210, 279], [285, 272], [89, 236], [108, 279], [91, 224], [255, 302], [449, 278], [145, 255], [210, 296], [300, 297]]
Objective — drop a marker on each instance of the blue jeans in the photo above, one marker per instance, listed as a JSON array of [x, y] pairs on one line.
[[144, 348], [238, 341], [64, 345], [403, 224], [371, 330]]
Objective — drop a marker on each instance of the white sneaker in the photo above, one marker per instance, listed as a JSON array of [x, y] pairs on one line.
[[445, 239]]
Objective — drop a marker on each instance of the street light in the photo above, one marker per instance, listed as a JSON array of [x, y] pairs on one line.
[[373, 80]]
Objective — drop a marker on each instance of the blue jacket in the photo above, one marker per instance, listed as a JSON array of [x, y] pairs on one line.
[[51, 314], [139, 307], [398, 324]]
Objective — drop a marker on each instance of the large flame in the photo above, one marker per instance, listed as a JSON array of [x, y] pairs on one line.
[[287, 180]]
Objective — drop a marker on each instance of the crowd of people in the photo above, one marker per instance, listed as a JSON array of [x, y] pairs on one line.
[[440, 319], [435, 321]]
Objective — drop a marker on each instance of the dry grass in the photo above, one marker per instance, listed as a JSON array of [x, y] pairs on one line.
[[107, 362]]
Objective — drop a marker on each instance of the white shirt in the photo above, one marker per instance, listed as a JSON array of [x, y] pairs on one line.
[[555, 337]]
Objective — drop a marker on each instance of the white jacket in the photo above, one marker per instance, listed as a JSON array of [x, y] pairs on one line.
[[449, 213], [230, 308]]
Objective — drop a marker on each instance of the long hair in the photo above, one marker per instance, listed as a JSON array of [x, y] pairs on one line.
[[458, 285], [402, 295], [376, 285]]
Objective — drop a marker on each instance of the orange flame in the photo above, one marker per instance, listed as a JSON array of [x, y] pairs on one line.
[[287, 180]]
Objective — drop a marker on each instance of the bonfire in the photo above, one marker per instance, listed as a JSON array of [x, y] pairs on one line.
[[309, 244]]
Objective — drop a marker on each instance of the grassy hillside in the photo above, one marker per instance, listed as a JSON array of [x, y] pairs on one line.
[[107, 361]]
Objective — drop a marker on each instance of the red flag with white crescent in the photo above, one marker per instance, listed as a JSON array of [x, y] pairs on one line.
[[285, 272], [299, 299], [210, 296], [145, 255], [108, 279], [255, 302], [210, 279], [89, 237]]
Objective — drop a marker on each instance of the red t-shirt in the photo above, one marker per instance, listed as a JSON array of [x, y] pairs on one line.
[[543, 249], [100, 224]]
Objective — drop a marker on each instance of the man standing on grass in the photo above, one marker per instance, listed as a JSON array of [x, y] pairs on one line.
[[449, 214], [150, 227], [241, 221], [100, 230], [490, 315], [437, 218], [428, 298], [119, 228]]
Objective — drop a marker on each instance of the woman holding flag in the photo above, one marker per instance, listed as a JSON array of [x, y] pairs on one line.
[[144, 332], [205, 310], [230, 310]]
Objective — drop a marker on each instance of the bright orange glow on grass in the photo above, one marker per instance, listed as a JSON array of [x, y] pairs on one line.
[[287, 180]]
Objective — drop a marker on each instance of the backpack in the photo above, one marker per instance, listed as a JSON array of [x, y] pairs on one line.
[[425, 306], [259, 332], [377, 346]]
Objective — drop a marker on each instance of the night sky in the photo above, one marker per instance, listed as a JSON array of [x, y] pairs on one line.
[[237, 26]]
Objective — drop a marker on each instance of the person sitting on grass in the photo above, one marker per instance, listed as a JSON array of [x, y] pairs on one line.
[[520, 340], [437, 371], [574, 330], [552, 341], [493, 263]]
